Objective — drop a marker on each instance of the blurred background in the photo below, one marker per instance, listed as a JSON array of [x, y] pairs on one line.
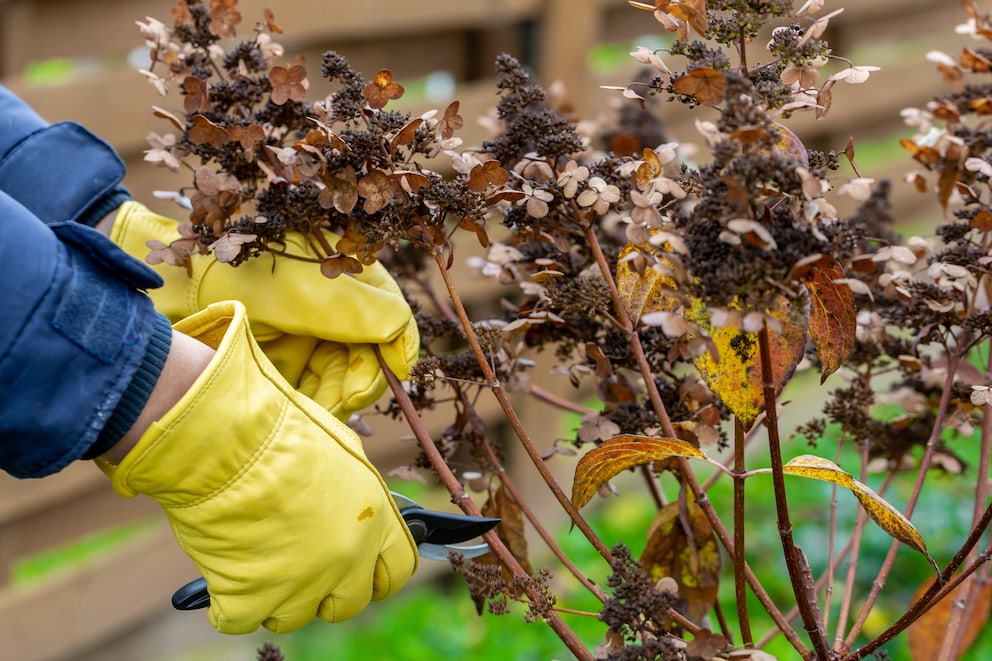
[[85, 574]]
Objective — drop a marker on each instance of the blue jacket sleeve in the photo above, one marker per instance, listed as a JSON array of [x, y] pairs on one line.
[[81, 346], [57, 171]]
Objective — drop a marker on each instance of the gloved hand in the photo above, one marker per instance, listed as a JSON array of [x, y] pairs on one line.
[[316, 331], [275, 502]]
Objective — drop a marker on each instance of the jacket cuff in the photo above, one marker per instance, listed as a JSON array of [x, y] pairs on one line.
[[136, 394], [63, 172]]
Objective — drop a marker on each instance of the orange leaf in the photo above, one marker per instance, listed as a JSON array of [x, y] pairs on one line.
[[926, 635], [382, 89], [692, 12], [945, 185], [648, 170], [832, 317], [406, 134], [618, 454], [734, 373], [704, 83]]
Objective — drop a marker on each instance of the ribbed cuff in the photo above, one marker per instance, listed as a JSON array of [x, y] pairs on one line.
[[107, 203], [136, 395]]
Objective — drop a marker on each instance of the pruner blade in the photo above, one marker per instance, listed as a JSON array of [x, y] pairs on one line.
[[436, 533]]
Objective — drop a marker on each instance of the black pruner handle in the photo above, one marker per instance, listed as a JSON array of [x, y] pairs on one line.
[[191, 596]]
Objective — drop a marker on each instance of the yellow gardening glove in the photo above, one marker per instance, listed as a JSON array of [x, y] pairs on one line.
[[270, 495], [318, 332]]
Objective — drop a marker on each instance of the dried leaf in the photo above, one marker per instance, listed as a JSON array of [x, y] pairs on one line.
[[451, 121], [926, 635], [377, 189], [645, 292], [206, 132], [511, 527], [649, 170], [406, 134], [487, 174], [196, 95], [832, 315], [228, 247], [734, 373], [692, 560], [704, 83], [288, 84], [692, 12], [945, 185], [339, 264], [382, 90], [619, 453], [885, 515]]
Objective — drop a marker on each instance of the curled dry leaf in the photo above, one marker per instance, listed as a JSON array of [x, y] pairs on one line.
[[619, 453], [880, 510]]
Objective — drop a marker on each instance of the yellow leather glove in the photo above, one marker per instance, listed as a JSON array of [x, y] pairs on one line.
[[270, 495], [318, 332]]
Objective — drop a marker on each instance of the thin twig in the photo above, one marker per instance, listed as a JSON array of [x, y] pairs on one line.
[[883, 573]]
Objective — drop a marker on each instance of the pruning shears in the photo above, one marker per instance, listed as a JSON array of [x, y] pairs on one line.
[[436, 535]]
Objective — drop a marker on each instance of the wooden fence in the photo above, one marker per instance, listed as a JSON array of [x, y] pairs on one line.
[[116, 607]]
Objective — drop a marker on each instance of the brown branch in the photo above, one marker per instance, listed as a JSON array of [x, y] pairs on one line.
[[702, 500], [511, 415], [740, 583], [795, 561], [460, 498]]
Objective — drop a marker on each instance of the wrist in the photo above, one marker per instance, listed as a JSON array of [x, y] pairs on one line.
[[187, 358]]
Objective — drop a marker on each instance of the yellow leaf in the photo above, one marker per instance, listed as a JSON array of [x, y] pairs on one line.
[[885, 515], [620, 453], [734, 373], [645, 292]]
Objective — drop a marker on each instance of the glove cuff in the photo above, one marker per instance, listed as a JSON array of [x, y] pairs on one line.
[[177, 461]]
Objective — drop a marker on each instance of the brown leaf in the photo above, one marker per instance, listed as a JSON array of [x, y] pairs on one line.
[[406, 134], [270, 21], [224, 18], [288, 84], [196, 95], [206, 132], [945, 185], [382, 89], [692, 12], [926, 635], [832, 316], [248, 136], [734, 373], [691, 558], [377, 189], [511, 527], [339, 264], [619, 453], [487, 174], [704, 83], [451, 121]]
